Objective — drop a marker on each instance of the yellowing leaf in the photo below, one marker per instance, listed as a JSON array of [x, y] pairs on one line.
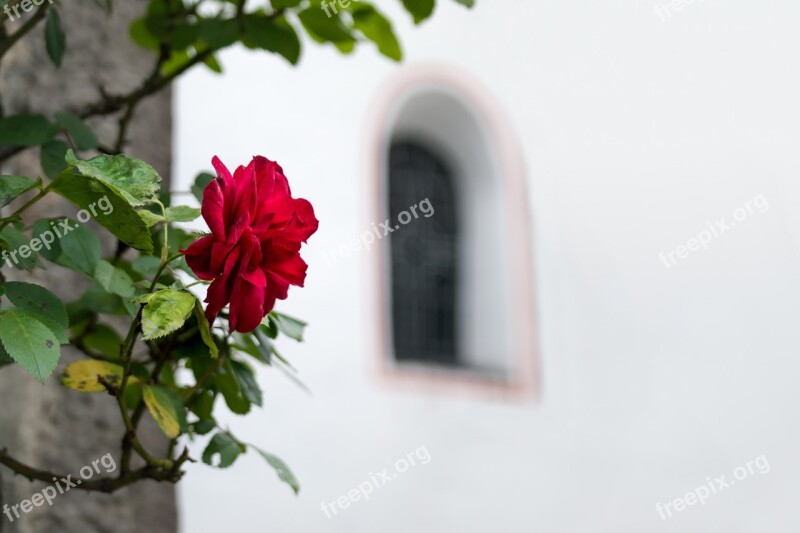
[[163, 410], [84, 376]]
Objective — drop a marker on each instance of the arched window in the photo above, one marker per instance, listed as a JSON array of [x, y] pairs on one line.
[[454, 298], [424, 258]]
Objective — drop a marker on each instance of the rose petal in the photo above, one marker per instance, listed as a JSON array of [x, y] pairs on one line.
[[198, 257], [247, 301], [213, 207]]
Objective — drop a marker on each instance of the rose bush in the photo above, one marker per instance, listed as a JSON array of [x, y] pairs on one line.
[[172, 359], [253, 252]]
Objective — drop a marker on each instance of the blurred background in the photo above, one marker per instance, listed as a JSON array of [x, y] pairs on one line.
[[587, 328]]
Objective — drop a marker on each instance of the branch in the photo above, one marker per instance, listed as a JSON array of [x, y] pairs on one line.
[[39, 196], [153, 84], [110, 104], [7, 152], [31, 23], [107, 485], [156, 81], [129, 440], [3, 37], [78, 343], [139, 411]]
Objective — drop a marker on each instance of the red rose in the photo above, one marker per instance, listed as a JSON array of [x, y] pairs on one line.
[[253, 252]]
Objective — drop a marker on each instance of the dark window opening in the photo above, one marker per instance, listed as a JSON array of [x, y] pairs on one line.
[[424, 253]]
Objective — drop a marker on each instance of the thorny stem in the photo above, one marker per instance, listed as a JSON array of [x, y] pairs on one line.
[[130, 440]]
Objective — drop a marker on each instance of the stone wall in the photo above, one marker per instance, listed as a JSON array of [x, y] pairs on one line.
[[49, 426]]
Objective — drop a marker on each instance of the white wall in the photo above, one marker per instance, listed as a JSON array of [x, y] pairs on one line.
[[636, 132]]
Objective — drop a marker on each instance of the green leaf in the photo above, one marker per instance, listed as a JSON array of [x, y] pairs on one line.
[[114, 280], [98, 300], [26, 130], [213, 65], [162, 407], [61, 333], [165, 312], [202, 427], [104, 340], [345, 47], [132, 178], [54, 37], [468, 3], [81, 134], [20, 254], [133, 393], [178, 60], [158, 23], [36, 300], [81, 247], [261, 350], [182, 213], [205, 329], [108, 207], [218, 33], [165, 7], [43, 229], [227, 384], [150, 218], [141, 35], [273, 34], [270, 327], [325, 28], [52, 158], [282, 469], [146, 265], [200, 183], [228, 449], [177, 402], [377, 29], [13, 186], [203, 404], [40, 303], [419, 9], [30, 343], [282, 4], [183, 35], [247, 383], [5, 359], [289, 326], [83, 376], [265, 347]]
